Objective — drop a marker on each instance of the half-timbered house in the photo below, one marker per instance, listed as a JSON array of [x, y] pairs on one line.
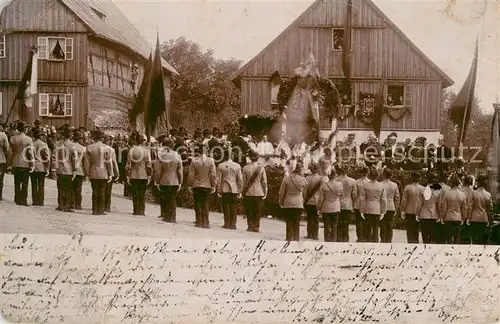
[[380, 54], [90, 66]]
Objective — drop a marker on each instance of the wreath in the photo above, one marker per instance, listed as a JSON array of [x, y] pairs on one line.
[[364, 115], [327, 94], [402, 113]]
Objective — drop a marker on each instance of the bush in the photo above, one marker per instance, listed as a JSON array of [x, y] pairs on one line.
[[274, 178]]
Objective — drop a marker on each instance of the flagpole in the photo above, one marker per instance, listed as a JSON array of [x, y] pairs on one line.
[[468, 103], [10, 111]]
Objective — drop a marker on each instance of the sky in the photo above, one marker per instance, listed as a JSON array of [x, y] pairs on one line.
[[445, 30]]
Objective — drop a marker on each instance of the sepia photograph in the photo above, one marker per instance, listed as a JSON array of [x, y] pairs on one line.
[[223, 161]]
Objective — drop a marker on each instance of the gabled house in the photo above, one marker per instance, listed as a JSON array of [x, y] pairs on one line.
[[380, 54], [90, 66]]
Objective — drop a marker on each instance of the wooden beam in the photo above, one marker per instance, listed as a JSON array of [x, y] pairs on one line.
[[339, 26], [51, 82], [340, 78]]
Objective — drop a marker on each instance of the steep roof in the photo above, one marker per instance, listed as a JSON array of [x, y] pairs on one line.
[[447, 80], [106, 21]]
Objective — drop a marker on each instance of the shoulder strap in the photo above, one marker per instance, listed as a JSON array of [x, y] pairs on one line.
[[294, 184], [252, 179], [313, 191]]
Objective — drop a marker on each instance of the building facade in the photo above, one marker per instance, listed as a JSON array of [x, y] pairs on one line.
[[380, 54], [90, 62]]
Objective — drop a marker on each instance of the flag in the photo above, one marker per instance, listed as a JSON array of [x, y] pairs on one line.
[[345, 85], [494, 156], [29, 83], [140, 101], [156, 101], [461, 109]]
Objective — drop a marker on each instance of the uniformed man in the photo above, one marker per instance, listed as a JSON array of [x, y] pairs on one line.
[[22, 163], [346, 203], [4, 156], [97, 164], [254, 191], [78, 154], [108, 142], [359, 218], [202, 181], [139, 171], [314, 181], [230, 184], [393, 199], [42, 168], [64, 163], [411, 204], [168, 179]]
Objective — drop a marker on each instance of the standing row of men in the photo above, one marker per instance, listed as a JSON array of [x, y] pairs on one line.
[[31, 158], [228, 180]]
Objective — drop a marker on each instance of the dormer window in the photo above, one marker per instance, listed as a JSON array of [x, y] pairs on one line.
[[99, 14]]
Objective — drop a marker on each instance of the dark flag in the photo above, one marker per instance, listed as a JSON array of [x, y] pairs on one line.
[[494, 156], [156, 104], [461, 109], [345, 85], [141, 98], [27, 88]]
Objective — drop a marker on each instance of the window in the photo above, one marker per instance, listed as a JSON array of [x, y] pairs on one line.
[[398, 96], [55, 105], [338, 39], [2, 46], [345, 93], [55, 48], [275, 88]]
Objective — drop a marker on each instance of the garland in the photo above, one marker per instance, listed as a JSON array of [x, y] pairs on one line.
[[403, 112], [285, 91], [364, 116]]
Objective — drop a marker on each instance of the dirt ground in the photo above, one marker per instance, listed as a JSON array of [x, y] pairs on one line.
[[121, 222]]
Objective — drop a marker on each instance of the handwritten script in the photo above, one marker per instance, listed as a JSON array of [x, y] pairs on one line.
[[93, 279]]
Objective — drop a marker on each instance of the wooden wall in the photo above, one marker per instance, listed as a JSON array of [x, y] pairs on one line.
[[109, 76], [39, 15], [80, 105], [110, 68], [18, 46], [378, 50], [426, 100], [375, 45]]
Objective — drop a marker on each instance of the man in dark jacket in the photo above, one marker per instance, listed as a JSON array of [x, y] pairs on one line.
[[241, 148]]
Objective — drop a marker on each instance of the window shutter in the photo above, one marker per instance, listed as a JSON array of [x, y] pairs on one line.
[[408, 96], [42, 48], [2, 46], [43, 104], [69, 49], [1, 104], [386, 90], [68, 105]]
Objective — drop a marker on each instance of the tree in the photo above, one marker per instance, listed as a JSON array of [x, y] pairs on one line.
[[478, 131], [202, 95]]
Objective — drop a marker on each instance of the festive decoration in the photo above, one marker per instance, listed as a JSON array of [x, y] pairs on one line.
[[366, 111], [326, 93], [259, 123], [402, 112]]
